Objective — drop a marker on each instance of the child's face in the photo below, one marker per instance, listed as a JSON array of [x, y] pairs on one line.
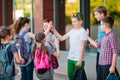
[[45, 26], [76, 23], [98, 16], [103, 26]]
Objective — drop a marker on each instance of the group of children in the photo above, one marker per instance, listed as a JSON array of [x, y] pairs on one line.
[[48, 42], [45, 40]]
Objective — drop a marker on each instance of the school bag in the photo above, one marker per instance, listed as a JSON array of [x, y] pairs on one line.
[[41, 65], [21, 46], [5, 66], [54, 62], [79, 74], [112, 76]]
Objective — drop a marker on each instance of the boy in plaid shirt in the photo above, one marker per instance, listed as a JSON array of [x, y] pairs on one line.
[[109, 49]]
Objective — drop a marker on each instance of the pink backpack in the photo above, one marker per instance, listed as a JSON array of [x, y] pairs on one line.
[[43, 64]]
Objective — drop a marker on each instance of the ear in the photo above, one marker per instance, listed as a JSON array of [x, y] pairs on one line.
[[102, 14]]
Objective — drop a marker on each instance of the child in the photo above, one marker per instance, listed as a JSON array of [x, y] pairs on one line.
[[40, 44], [5, 38], [19, 27], [50, 40], [99, 12], [109, 49], [77, 44]]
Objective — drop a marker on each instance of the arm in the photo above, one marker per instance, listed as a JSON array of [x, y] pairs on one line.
[[83, 43], [57, 52], [60, 37], [31, 35], [113, 65], [114, 44], [17, 58], [94, 43]]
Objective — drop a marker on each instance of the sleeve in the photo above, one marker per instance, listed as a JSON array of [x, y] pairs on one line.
[[98, 44], [69, 33], [13, 48], [83, 35], [114, 44]]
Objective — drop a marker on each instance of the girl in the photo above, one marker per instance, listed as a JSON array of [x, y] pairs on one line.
[[50, 40], [40, 44], [19, 27], [5, 38]]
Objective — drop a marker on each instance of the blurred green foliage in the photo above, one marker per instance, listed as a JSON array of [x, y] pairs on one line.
[[26, 6], [113, 8]]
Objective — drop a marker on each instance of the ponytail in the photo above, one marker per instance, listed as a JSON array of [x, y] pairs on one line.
[[19, 24]]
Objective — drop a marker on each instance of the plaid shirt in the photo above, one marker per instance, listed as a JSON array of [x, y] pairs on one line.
[[109, 46]]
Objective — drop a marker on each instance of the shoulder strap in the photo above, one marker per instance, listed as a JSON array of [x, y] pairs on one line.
[[22, 35]]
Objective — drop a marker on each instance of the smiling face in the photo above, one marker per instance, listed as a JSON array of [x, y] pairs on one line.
[[98, 16], [76, 23], [45, 26]]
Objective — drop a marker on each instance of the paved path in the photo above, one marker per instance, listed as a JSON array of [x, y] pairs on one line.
[[61, 72]]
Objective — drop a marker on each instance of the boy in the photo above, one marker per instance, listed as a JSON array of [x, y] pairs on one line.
[[77, 44], [109, 49], [99, 12]]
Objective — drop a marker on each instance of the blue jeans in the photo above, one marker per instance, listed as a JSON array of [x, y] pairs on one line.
[[27, 71]]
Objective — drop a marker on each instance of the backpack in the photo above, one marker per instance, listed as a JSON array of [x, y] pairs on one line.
[[54, 62], [21, 46], [5, 66], [42, 64], [112, 76]]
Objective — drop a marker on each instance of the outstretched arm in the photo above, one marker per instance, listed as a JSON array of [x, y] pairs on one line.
[[90, 39], [60, 37], [57, 52]]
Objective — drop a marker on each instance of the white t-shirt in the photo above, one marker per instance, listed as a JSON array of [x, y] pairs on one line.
[[76, 36]]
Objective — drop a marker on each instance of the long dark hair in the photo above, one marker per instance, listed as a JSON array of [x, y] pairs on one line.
[[19, 24], [4, 32], [39, 37]]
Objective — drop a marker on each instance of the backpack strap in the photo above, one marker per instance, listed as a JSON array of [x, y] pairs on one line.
[[22, 35]]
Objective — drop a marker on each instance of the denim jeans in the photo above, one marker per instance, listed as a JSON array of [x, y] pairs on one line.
[[27, 71]]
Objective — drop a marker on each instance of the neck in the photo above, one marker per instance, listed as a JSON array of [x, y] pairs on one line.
[[108, 30], [79, 27]]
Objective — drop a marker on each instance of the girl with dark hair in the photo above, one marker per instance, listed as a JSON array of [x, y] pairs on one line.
[[41, 44], [50, 42], [5, 40], [19, 27], [39, 51]]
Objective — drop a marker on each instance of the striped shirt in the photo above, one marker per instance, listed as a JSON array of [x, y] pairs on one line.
[[109, 46]]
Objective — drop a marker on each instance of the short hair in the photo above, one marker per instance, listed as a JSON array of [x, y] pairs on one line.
[[101, 9], [109, 20], [77, 15]]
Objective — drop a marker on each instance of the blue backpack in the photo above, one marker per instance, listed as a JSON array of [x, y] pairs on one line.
[[5, 66], [21, 46]]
